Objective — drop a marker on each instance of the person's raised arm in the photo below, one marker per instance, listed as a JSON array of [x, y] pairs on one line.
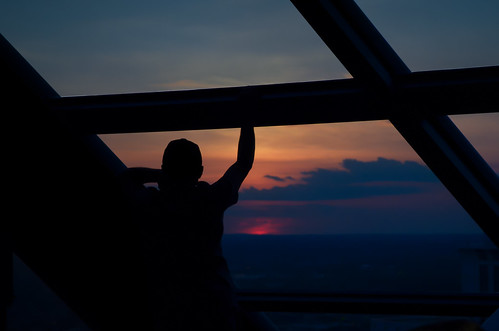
[[245, 157], [246, 149]]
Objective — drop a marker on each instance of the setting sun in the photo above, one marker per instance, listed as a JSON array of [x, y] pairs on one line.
[[262, 226]]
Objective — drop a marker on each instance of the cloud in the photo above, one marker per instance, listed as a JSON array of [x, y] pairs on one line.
[[357, 179], [279, 179], [381, 196], [184, 84]]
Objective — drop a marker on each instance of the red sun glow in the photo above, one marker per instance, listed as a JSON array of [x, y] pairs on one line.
[[263, 226]]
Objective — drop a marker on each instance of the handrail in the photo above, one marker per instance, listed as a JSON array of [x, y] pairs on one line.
[[454, 304]]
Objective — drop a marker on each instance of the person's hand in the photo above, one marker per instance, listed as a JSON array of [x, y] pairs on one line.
[[249, 103]]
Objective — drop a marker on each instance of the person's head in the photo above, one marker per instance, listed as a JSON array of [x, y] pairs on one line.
[[182, 161]]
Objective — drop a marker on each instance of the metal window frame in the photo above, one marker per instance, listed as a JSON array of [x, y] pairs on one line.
[[382, 88], [368, 57]]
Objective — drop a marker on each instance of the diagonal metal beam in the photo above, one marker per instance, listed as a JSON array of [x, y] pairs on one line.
[[67, 218], [440, 92], [369, 58], [353, 39]]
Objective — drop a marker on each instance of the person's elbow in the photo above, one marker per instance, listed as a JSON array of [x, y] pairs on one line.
[[244, 164]]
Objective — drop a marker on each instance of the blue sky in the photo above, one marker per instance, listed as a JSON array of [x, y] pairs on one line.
[[100, 47], [95, 47], [120, 46]]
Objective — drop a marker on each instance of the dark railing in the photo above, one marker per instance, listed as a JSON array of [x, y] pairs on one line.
[[458, 304]]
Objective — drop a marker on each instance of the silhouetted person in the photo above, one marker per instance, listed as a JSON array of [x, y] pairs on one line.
[[188, 279]]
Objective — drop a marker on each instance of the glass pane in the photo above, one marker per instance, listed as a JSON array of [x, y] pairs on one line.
[[100, 47], [337, 207], [440, 34]]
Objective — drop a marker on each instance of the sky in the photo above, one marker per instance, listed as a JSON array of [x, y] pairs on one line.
[[328, 178]]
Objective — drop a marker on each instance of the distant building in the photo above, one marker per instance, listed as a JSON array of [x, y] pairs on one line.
[[480, 269]]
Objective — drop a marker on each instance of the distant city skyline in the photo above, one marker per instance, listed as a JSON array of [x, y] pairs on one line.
[[96, 47]]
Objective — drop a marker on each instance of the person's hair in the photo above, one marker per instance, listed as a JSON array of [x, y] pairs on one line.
[[182, 160]]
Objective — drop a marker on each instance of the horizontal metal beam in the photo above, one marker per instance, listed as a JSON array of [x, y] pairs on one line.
[[281, 104], [447, 92], [464, 305]]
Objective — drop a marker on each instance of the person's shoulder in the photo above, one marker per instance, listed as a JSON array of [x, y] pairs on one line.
[[222, 191], [220, 187]]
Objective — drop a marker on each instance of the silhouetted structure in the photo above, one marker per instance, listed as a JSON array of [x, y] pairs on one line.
[[76, 233], [480, 270]]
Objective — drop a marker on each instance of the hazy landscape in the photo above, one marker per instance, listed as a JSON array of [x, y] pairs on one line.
[[324, 263]]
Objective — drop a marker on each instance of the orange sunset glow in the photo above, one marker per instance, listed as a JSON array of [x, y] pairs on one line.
[[286, 155], [287, 151], [262, 226], [280, 151]]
